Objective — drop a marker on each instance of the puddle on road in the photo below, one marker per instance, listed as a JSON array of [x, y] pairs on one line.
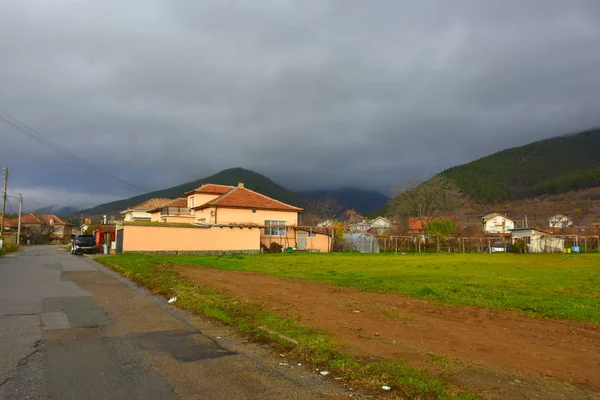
[[181, 345]]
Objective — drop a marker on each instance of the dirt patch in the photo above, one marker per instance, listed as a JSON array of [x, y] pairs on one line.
[[396, 327]]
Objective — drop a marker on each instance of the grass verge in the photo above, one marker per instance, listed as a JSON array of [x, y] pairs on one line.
[[9, 248], [316, 347]]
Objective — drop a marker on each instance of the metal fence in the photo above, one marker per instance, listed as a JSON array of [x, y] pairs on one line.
[[487, 244]]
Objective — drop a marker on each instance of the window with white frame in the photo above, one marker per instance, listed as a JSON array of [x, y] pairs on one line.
[[275, 228]]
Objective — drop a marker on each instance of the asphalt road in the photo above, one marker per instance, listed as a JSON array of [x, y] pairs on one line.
[[71, 329]]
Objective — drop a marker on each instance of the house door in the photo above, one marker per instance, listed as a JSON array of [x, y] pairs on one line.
[[302, 238], [119, 238]]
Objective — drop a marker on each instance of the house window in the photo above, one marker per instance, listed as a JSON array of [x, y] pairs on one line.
[[253, 211], [312, 234], [58, 231], [165, 211], [192, 202], [275, 228], [202, 220]]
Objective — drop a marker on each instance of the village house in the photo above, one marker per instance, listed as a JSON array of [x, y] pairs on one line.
[[537, 240], [381, 224], [559, 221], [174, 211], [497, 223], [360, 226], [140, 212], [224, 218], [51, 226]]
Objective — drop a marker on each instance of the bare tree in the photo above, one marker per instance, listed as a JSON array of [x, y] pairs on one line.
[[427, 200], [353, 217], [321, 209]]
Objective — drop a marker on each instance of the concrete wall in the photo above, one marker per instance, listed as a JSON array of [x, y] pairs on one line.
[[155, 216], [192, 239], [158, 217], [318, 243], [189, 219]]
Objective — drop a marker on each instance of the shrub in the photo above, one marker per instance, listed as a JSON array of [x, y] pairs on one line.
[[275, 248]]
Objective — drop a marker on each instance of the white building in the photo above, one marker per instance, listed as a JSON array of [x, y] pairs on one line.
[[140, 212], [559, 221], [497, 223], [381, 224], [538, 241]]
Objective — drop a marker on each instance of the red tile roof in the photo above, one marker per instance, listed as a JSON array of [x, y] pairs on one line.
[[240, 197], [211, 188], [415, 224], [8, 223], [35, 219], [180, 203], [51, 217], [151, 204], [31, 219]]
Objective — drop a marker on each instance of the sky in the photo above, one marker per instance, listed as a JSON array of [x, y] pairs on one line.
[[311, 93]]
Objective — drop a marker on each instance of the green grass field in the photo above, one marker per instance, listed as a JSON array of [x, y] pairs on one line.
[[549, 285]]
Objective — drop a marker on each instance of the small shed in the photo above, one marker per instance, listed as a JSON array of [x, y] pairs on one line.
[[538, 241]]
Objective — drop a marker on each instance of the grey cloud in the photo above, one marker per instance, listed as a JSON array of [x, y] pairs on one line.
[[310, 93]]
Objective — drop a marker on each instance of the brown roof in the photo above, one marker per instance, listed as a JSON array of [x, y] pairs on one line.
[[180, 202], [51, 217], [151, 204], [211, 188], [9, 222], [30, 219], [240, 197], [34, 219]]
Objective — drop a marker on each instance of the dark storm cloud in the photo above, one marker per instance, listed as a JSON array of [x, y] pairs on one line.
[[310, 93]]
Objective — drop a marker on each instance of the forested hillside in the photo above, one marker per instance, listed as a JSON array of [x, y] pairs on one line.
[[549, 166]]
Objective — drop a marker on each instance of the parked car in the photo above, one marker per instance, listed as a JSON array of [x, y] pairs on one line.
[[83, 244], [499, 247]]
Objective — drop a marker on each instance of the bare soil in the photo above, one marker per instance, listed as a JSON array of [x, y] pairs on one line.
[[482, 348]]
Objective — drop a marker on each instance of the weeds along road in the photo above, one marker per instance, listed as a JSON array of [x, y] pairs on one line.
[[71, 329]]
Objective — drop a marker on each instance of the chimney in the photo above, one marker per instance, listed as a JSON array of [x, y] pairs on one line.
[[241, 184]]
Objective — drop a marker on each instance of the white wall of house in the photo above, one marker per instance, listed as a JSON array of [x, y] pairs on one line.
[[538, 241], [498, 224], [559, 221], [136, 215], [380, 223]]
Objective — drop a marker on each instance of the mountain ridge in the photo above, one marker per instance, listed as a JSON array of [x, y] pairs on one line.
[[363, 201]]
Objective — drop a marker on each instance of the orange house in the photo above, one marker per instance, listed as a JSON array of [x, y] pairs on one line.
[[221, 218], [218, 204], [173, 211]]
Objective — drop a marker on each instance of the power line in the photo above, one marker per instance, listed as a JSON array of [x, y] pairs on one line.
[[61, 151]]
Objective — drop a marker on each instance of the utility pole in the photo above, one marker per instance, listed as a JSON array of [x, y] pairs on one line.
[[4, 201], [20, 216]]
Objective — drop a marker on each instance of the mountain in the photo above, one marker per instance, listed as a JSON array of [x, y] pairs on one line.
[[61, 212], [550, 166], [363, 201], [232, 176]]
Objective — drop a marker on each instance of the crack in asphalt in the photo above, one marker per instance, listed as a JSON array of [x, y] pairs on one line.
[[24, 360]]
